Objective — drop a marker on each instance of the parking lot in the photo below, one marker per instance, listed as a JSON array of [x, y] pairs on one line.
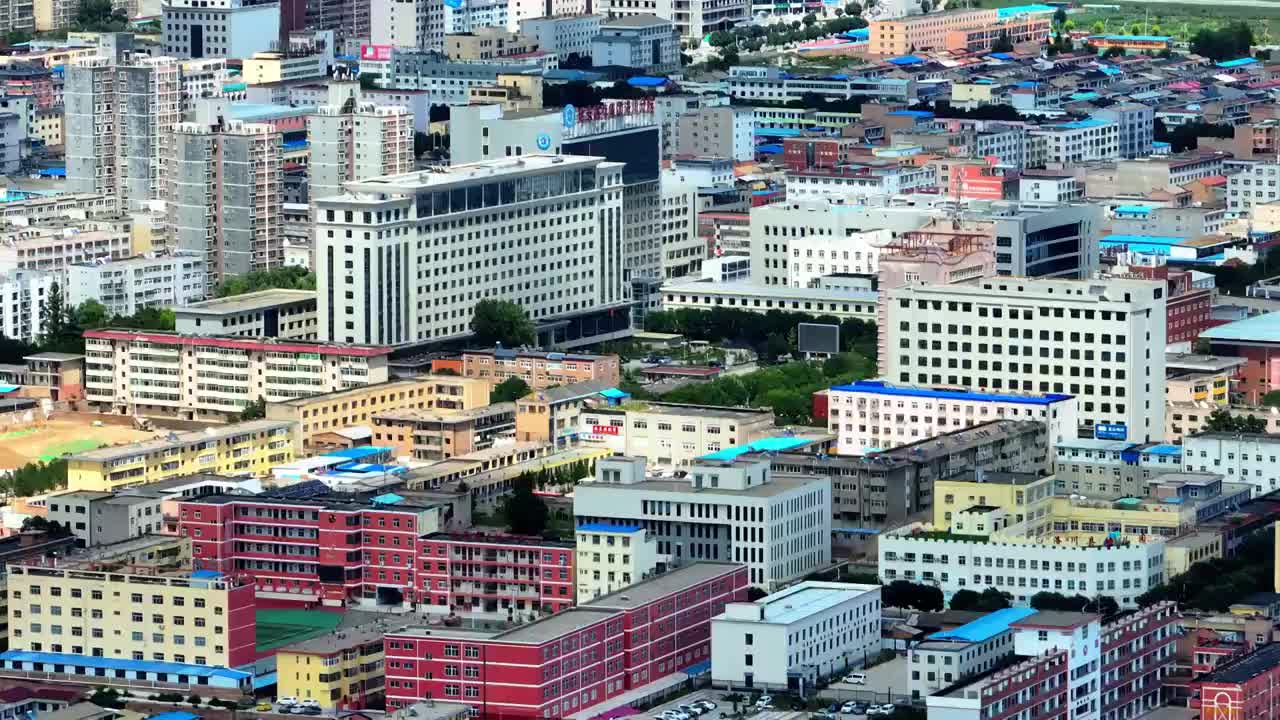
[[886, 683], [725, 709]]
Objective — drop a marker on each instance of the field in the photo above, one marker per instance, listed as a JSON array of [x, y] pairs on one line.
[[277, 628], [64, 433], [1161, 17]]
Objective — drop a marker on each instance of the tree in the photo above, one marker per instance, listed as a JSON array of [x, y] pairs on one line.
[[100, 16], [1113, 51], [92, 314], [1104, 605], [1059, 16], [368, 80], [509, 390], [255, 410], [965, 600], [1226, 43], [106, 698], [17, 37], [733, 699], [1057, 601], [1221, 420], [1098, 28], [524, 512], [59, 331], [289, 277], [853, 8], [1272, 398], [809, 19], [992, 599], [1003, 43], [906, 594], [925, 7], [502, 321]]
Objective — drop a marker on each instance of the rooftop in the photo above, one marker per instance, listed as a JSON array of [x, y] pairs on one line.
[[662, 585], [485, 539], [468, 174], [765, 445], [808, 598], [1263, 328], [89, 661], [985, 627], [555, 626], [377, 387], [606, 527], [1244, 669], [238, 343], [680, 410], [997, 478], [213, 432], [338, 640], [1055, 619], [880, 387], [566, 393], [247, 302]]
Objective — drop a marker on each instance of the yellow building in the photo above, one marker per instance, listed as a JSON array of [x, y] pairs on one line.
[[180, 618], [341, 670], [1022, 496], [332, 411], [247, 448], [1183, 552], [48, 126]]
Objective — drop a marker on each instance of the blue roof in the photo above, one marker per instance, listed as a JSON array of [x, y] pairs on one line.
[[1259, 328], [356, 453], [912, 113], [1108, 70], [53, 172], [106, 663], [858, 34], [359, 467], [614, 393], [1082, 124], [905, 60], [1133, 209], [778, 132], [770, 444], [647, 81], [1163, 449], [1013, 10], [1087, 95], [177, 715], [9, 388], [1001, 56], [1238, 62], [205, 574], [259, 112], [572, 75], [1140, 38], [1026, 83], [388, 499], [606, 527], [1142, 240], [985, 627], [878, 387]]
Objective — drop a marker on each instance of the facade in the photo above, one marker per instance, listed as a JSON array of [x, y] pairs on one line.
[[387, 302], [975, 648], [442, 434], [863, 179], [396, 22], [924, 32], [1137, 655], [179, 619], [219, 28], [1135, 123], [1054, 189], [611, 558], [1252, 186], [1112, 468], [564, 35], [673, 435], [476, 573], [247, 448], [642, 42], [871, 415], [735, 510], [759, 298], [796, 242], [1101, 355], [1245, 687], [1073, 143], [718, 132], [198, 376], [539, 370], [566, 663], [1025, 497], [224, 200], [554, 415], [1243, 458], [47, 244], [275, 313], [354, 407], [487, 43], [129, 285], [808, 631], [26, 290], [341, 670], [367, 141], [450, 82], [104, 518]]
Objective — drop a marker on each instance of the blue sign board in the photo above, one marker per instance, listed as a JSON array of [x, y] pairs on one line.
[[569, 115], [1104, 431], [544, 141]]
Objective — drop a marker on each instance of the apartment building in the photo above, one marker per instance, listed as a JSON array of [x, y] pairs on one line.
[[1024, 496], [20, 318], [753, 297], [225, 194], [443, 434], [539, 370], [974, 648], [720, 132], [219, 28], [737, 510], [1073, 143], [1243, 687], [79, 613], [274, 313], [613, 557], [1137, 655], [317, 415], [884, 489], [247, 448], [1101, 468], [874, 415], [106, 518], [643, 42], [669, 434], [396, 22], [341, 670], [810, 630], [368, 554], [1135, 127], [573, 660], [355, 143], [692, 18], [167, 374], [981, 39], [1240, 457], [129, 285], [863, 179], [796, 242], [1101, 355], [53, 244], [564, 35], [477, 573], [924, 32], [555, 271], [118, 113], [449, 81]]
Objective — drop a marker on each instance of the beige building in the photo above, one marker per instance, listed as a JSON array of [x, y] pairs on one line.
[[440, 435], [48, 126], [924, 32], [326, 413], [611, 557], [539, 369], [487, 43], [554, 415], [671, 434]]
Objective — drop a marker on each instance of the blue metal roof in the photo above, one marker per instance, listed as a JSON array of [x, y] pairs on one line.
[[176, 715], [1142, 240], [1133, 209], [1082, 124], [905, 60], [1259, 328], [388, 499], [1026, 84], [1014, 10], [985, 627], [53, 172], [912, 113], [1163, 449], [356, 453], [1002, 56], [606, 527], [9, 388], [778, 132], [1238, 62], [878, 387], [205, 574], [647, 81], [615, 393], [771, 444], [106, 663], [1140, 38], [769, 149]]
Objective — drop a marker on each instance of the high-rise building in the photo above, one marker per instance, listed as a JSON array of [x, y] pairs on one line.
[[357, 141], [397, 22], [26, 291], [221, 28], [119, 112], [406, 258], [1088, 339], [225, 195], [347, 18]]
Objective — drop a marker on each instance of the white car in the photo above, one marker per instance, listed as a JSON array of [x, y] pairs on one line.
[[856, 679], [676, 715], [706, 705], [764, 701], [883, 710], [287, 701]]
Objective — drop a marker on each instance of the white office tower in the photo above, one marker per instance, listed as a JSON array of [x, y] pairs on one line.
[[220, 28], [397, 22], [354, 141], [406, 258], [462, 17], [119, 114], [1102, 342], [226, 194]]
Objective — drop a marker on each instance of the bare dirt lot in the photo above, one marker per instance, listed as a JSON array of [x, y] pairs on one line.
[[21, 443]]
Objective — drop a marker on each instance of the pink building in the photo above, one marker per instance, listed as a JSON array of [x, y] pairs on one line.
[[471, 572]]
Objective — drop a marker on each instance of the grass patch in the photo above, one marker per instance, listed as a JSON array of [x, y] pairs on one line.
[[277, 628], [53, 452]]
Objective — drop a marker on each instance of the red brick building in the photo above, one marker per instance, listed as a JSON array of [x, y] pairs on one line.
[[804, 153], [1188, 309], [572, 660], [314, 550], [1138, 651], [1247, 688]]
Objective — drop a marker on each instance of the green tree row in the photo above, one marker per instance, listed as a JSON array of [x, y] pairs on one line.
[[35, 478], [1213, 585], [1221, 420], [63, 325], [759, 332], [289, 277]]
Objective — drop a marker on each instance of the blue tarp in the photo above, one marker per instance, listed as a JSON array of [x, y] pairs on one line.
[[9, 388], [878, 387], [985, 627], [53, 172], [177, 715], [769, 149], [647, 81], [388, 499], [772, 444], [205, 574], [356, 453], [905, 60], [615, 394], [1238, 62]]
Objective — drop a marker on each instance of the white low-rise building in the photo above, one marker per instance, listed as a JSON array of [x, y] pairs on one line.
[[873, 415], [705, 295], [944, 658], [1072, 143], [276, 313], [25, 292], [611, 557], [883, 179], [670, 434], [737, 510], [808, 631], [129, 285], [1250, 458]]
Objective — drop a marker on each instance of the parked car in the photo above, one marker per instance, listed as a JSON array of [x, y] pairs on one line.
[[764, 701], [298, 710], [287, 701], [856, 678], [706, 705], [853, 708], [690, 710], [311, 710], [833, 708], [880, 710], [309, 702]]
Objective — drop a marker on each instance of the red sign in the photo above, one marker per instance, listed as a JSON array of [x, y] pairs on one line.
[[375, 52], [604, 430]]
